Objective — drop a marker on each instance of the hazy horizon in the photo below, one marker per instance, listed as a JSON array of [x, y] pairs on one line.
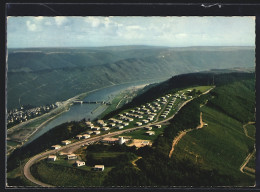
[[249, 46]]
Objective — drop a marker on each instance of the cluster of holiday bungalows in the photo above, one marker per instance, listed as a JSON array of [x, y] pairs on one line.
[[77, 163]]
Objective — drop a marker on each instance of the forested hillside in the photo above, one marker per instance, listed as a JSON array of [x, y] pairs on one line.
[[46, 75]]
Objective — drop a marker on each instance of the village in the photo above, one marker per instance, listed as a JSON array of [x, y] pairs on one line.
[[147, 118], [25, 113]]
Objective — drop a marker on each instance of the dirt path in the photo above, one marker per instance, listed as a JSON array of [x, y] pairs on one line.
[[133, 162], [249, 156], [245, 129], [242, 167], [182, 133]]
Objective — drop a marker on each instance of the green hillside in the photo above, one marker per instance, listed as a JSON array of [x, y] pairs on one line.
[[223, 145], [46, 75], [210, 156]]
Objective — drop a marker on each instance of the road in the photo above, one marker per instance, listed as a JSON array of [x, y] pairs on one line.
[[74, 146]]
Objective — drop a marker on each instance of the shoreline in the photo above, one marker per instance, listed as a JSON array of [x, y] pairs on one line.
[[68, 103]]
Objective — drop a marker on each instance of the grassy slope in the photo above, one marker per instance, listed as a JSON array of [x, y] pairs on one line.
[[251, 129], [61, 176], [222, 145], [140, 134]]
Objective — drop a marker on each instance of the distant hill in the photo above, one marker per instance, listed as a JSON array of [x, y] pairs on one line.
[[45, 75]]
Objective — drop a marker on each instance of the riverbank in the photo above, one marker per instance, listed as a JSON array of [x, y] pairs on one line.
[[28, 131], [122, 98]]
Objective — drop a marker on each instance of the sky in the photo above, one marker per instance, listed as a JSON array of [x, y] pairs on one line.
[[25, 32]]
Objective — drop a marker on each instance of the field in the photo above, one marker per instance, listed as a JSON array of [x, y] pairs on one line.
[[140, 134], [60, 175], [105, 154], [63, 172], [17, 178], [222, 145], [198, 88]]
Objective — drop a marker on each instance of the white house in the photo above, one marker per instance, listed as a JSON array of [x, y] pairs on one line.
[[149, 132], [99, 168], [52, 158], [125, 123], [90, 126], [79, 137], [80, 163], [119, 121], [85, 136], [95, 128], [66, 142], [89, 132], [88, 123], [100, 121], [96, 132], [145, 121], [112, 124], [150, 118], [105, 128], [120, 126], [55, 146], [71, 156], [158, 126], [138, 123], [148, 128]]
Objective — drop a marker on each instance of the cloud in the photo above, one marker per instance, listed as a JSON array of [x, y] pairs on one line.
[[39, 18], [134, 27], [181, 35], [60, 20], [31, 26], [94, 22]]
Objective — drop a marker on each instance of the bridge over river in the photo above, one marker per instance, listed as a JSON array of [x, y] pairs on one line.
[[92, 102]]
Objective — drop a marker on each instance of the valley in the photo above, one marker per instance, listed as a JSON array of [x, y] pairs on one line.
[[38, 78], [182, 104]]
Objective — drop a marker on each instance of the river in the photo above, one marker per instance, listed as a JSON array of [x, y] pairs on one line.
[[78, 112]]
